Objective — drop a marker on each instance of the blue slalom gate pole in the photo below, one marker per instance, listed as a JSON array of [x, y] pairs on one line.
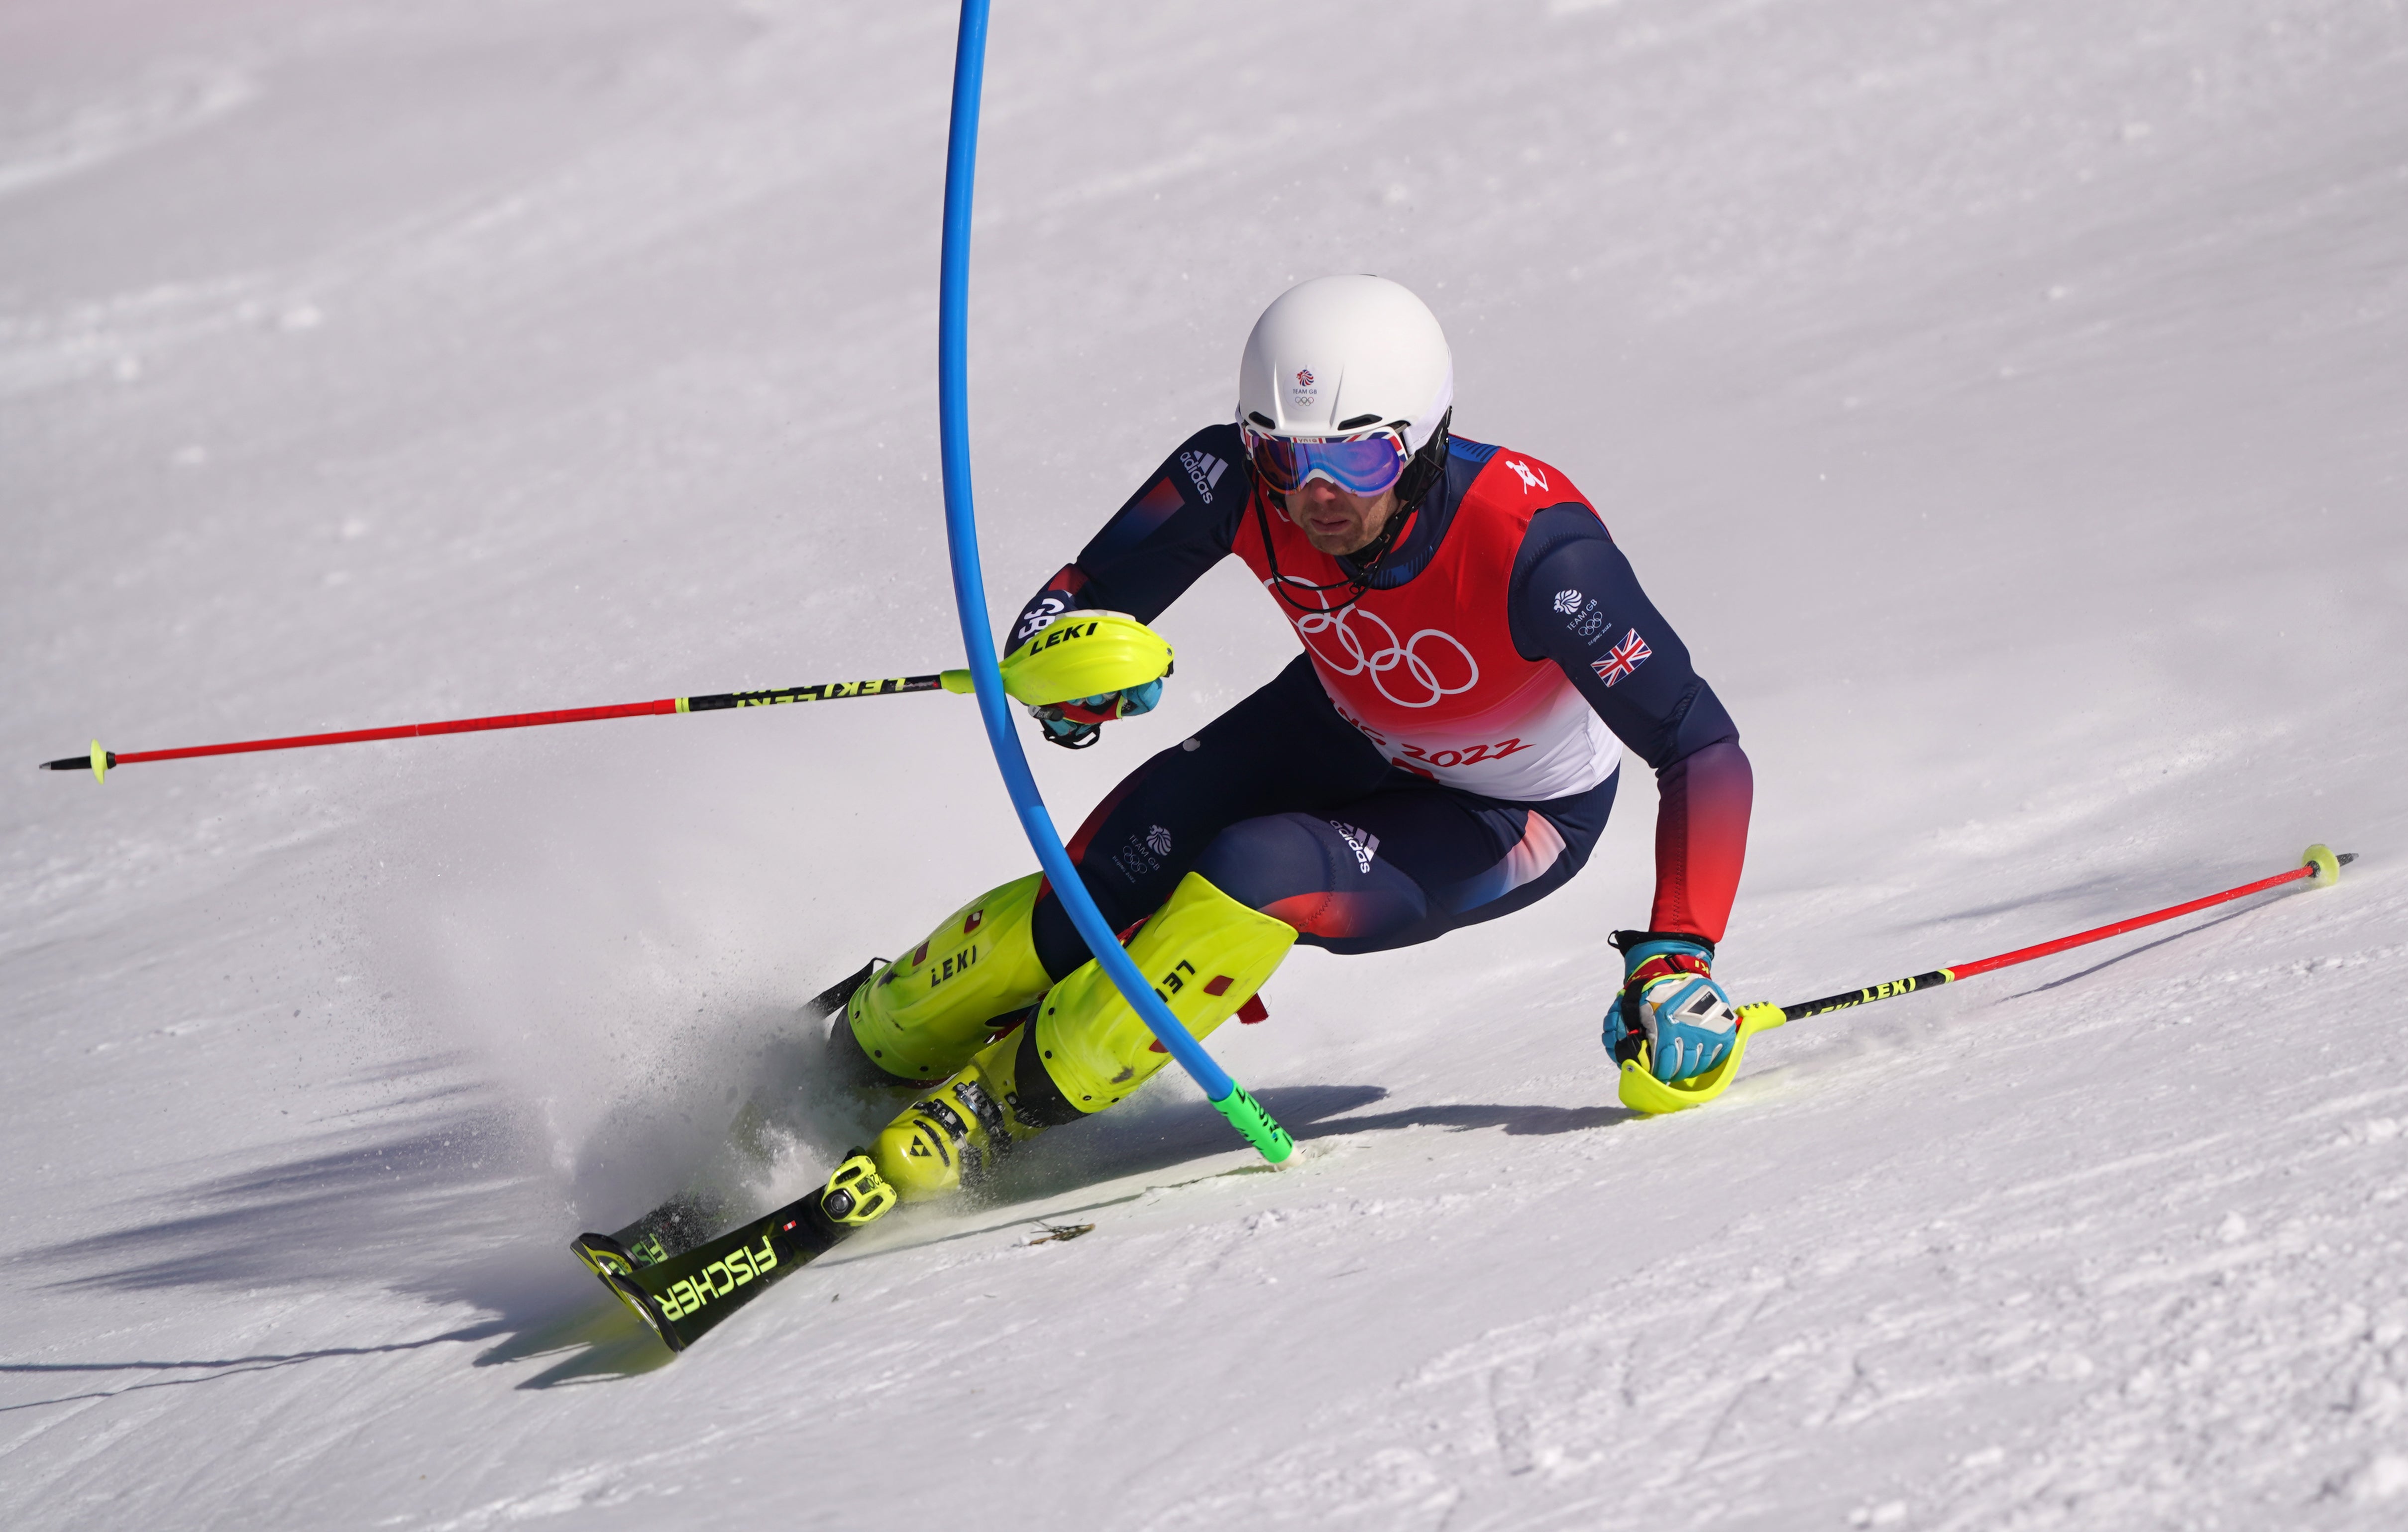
[[978, 641]]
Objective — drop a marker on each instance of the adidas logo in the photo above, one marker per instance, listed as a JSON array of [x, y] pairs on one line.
[[1205, 470], [1363, 843]]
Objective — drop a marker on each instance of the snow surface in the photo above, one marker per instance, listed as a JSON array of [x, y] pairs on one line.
[[2005, 400]]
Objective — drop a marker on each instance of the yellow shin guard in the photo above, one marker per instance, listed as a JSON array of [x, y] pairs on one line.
[[1207, 955], [1085, 1048], [922, 1016]]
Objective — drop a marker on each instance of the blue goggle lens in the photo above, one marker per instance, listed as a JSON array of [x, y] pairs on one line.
[[1358, 465]]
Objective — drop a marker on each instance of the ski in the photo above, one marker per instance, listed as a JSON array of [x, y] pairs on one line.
[[684, 1298], [677, 1278], [671, 1229], [686, 1219]]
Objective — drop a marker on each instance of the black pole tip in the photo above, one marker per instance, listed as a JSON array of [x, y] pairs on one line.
[[73, 763], [2345, 858]]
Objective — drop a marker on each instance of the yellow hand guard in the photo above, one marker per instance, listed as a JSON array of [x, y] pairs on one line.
[[1084, 654]]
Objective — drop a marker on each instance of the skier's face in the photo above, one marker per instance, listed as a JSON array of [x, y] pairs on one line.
[[1336, 522]]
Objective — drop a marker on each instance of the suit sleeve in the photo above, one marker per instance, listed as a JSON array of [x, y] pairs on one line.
[[1179, 524], [1577, 601]]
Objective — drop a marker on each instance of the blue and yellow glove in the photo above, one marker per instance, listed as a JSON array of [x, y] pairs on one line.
[[1077, 724], [1669, 1005]]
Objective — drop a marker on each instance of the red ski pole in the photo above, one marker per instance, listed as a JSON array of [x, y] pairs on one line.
[[949, 680], [1641, 1091]]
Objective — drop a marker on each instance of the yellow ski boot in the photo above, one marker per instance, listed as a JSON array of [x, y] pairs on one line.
[[955, 1132]]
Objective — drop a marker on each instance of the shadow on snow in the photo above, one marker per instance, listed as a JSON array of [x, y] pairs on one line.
[[448, 1206]]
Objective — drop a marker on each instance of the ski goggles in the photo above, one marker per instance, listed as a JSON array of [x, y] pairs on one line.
[[1363, 464]]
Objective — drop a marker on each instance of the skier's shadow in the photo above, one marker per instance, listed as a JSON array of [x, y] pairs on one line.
[[1177, 1134], [1460, 1117], [107, 1380], [438, 1207]]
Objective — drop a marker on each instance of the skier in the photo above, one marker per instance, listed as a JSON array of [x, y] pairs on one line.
[[1477, 656]]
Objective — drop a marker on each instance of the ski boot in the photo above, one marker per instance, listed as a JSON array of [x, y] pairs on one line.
[[953, 1135]]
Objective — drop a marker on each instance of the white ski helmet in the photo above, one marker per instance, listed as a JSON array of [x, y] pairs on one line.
[[1335, 355]]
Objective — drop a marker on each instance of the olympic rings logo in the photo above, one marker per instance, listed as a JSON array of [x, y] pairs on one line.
[[1426, 688]]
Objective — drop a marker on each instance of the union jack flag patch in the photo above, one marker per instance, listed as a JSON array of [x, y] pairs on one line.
[[1627, 655]]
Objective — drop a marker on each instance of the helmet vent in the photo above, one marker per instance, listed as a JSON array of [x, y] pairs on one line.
[[1357, 422], [1261, 420]]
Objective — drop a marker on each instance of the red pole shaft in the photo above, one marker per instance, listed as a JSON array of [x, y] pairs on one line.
[[2024, 954], [942, 681], [1870, 993], [409, 731]]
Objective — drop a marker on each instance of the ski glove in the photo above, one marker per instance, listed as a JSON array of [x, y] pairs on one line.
[[1077, 724], [1669, 1005]]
